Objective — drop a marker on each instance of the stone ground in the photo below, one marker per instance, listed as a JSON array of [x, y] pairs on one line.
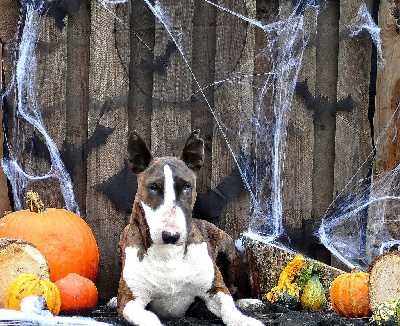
[[269, 314]]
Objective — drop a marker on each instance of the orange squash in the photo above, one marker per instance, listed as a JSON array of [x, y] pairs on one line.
[[77, 292], [349, 294], [26, 285], [64, 239]]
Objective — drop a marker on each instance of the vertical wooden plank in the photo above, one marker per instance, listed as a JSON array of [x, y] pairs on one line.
[[297, 166], [141, 78], [204, 68], [324, 124], [50, 92], [9, 11], [383, 222], [4, 200], [261, 153], [353, 79], [171, 120], [353, 133], [388, 89], [233, 102], [77, 99], [8, 26], [324, 119], [108, 89]]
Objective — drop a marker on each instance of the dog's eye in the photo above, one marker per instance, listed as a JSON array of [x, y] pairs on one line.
[[186, 188], [153, 186]]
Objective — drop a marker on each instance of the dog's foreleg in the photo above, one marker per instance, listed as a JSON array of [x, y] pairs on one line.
[[222, 305], [135, 313]]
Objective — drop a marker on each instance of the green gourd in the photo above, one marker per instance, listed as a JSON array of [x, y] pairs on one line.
[[397, 313], [385, 312], [289, 296], [313, 296]]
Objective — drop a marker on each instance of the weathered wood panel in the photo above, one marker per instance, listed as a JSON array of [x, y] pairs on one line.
[[108, 89], [233, 102], [353, 80], [383, 223], [351, 168], [327, 40], [204, 49], [116, 74], [297, 167], [171, 118], [50, 92], [77, 99], [8, 27], [142, 40], [388, 90], [4, 200]]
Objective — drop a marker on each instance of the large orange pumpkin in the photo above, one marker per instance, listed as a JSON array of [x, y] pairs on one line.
[[77, 292], [64, 239], [349, 294]]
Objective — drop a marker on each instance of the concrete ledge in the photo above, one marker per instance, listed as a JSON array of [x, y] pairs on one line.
[[266, 262]]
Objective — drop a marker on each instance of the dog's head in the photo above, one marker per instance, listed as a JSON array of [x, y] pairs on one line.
[[166, 188]]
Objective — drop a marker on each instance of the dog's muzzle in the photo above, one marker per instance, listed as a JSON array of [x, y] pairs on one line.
[[169, 238]]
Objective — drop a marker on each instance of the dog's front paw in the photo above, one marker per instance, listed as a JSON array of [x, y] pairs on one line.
[[136, 315], [242, 320], [146, 318]]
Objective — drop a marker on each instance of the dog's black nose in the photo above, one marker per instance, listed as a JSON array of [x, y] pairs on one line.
[[169, 238]]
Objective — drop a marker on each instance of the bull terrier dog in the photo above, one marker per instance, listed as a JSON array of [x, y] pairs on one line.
[[170, 259]]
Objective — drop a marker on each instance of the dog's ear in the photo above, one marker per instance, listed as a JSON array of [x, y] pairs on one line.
[[139, 155], [193, 152]]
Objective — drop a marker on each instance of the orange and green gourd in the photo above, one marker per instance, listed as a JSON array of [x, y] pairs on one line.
[[64, 238], [386, 313], [313, 296], [287, 292], [26, 285]]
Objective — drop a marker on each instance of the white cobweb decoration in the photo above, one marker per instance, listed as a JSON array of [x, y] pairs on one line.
[[23, 85], [366, 222], [286, 41]]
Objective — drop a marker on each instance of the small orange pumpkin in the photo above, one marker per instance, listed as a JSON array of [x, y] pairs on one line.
[[349, 294], [64, 239], [26, 285], [77, 292]]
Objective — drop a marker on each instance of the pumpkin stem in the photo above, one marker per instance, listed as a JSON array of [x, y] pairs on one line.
[[355, 270], [34, 202]]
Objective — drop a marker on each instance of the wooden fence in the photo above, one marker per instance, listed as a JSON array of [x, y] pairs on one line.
[[105, 70]]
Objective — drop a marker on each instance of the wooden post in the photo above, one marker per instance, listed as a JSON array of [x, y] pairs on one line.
[[171, 120], [4, 200], [77, 96], [204, 46], [383, 216], [108, 91], [234, 106], [140, 79], [388, 89], [353, 143], [297, 168], [9, 10]]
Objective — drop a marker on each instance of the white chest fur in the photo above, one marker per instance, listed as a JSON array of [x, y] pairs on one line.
[[168, 278]]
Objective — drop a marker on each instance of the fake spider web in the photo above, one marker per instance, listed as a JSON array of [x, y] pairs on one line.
[[263, 128]]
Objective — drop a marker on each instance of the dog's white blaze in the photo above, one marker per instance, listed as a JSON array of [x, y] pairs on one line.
[[168, 277], [168, 216], [169, 190]]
